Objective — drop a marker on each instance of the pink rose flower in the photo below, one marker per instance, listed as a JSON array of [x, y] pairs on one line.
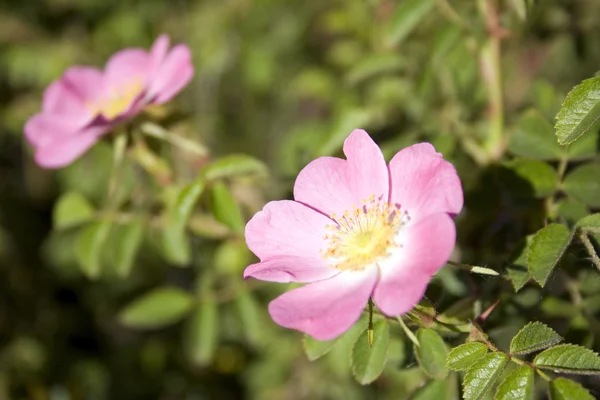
[[86, 103], [358, 229]]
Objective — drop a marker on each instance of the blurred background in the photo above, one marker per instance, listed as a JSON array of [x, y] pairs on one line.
[[282, 82]]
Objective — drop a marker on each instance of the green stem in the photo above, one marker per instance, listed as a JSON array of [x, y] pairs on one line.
[[408, 332], [370, 329], [181, 142], [590, 249]]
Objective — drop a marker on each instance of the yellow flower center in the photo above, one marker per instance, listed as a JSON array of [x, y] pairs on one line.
[[117, 100], [364, 235]]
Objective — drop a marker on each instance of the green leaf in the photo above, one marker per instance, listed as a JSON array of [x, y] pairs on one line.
[[579, 111], [546, 250], [518, 385], [566, 389], [89, 247], [533, 337], [126, 240], [570, 209], [590, 223], [517, 270], [233, 165], [374, 65], [569, 358], [406, 17], [157, 308], [224, 207], [431, 354], [174, 239], [583, 184], [541, 176], [203, 333], [465, 355], [434, 389], [483, 375], [249, 315], [71, 209], [316, 349], [534, 137], [368, 361], [583, 148]]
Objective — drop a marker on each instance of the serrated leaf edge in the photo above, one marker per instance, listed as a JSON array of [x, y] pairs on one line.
[[543, 345]]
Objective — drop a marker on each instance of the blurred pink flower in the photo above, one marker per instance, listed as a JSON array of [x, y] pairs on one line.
[[357, 229], [86, 103]]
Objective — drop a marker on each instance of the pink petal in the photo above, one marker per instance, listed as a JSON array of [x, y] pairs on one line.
[[175, 72], [327, 308], [426, 247], [63, 152], [423, 183], [126, 67], [43, 129], [286, 228], [332, 185], [71, 94], [286, 269], [159, 50]]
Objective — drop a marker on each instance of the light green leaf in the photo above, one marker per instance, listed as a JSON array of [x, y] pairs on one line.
[[566, 389], [518, 385], [533, 337], [71, 209], [431, 354], [534, 137], [316, 349], [584, 148], [540, 175], [483, 375], [546, 250], [224, 207], [579, 111], [89, 247], [407, 16], [368, 361], [249, 315], [465, 355], [583, 184], [157, 308], [202, 336], [590, 223], [233, 165], [569, 358], [126, 240], [517, 270]]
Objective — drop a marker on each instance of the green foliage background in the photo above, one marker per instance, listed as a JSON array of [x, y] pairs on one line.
[[133, 296]]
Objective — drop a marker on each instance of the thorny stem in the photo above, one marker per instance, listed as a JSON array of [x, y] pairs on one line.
[[590, 249]]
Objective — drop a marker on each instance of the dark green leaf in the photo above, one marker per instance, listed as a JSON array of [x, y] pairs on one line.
[[579, 111], [566, 389], [224, 207], [407, 16], [541, 176], [233, 165], [533, 337], [584, 184], [158, 308], [203, 333], [71, 209], [431, 354], [534, 137], [465, 355], [517, 270], [571, 210], [89, 247], [546, 250], [569, 358], [368, 361], [518, 385], [483, 375], [316, 349], [434, 389], [583, 148]]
